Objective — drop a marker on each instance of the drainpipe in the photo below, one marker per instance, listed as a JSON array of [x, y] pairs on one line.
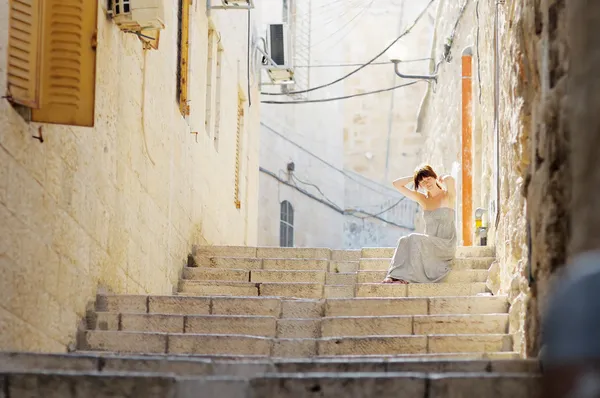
[[467, 146]]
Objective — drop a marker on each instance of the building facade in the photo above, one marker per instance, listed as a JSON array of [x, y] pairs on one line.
[[338, 148], [112, 170]]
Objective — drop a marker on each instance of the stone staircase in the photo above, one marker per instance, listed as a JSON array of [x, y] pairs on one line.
[[261, 322]]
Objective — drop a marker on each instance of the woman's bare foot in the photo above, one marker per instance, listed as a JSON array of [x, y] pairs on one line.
[[397, 281]]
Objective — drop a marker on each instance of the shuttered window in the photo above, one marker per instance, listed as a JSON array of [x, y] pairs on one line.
[[52, 59], [24, 51], [183, 36], [238, 150], [210, 66]]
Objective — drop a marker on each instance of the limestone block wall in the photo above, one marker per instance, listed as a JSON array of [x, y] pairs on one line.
[[519, 86], [118, 206]]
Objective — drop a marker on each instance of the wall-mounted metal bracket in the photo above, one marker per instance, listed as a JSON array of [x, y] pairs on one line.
[[433, 77]]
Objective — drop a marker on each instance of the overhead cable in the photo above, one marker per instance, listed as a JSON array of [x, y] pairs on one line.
[[407, 31]]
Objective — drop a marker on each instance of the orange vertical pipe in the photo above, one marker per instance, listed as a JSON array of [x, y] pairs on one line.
[[467, 150]]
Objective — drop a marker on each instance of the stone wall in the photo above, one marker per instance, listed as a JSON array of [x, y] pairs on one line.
[[118, 206], [518, 94]]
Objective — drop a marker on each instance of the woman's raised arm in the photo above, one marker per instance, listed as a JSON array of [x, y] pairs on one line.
[[401, 183]]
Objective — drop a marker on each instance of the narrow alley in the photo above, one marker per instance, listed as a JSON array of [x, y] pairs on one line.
[[299, 198]]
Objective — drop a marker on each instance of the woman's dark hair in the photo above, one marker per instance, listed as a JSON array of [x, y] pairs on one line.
[[422, 173]]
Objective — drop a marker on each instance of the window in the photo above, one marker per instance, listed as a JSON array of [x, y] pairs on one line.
[[286, 225], [183, 34], [238, 148], [52, 60], [218, 97], [212, 63]]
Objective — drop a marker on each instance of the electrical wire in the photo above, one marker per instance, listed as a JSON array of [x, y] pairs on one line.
[[407, 31], [358, 15], [334, 207], [357, 19], [341, 98], [359, 64], [347, 210], [350, 177]]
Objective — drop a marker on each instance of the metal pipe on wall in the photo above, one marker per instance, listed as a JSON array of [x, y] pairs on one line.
[[467, 146]]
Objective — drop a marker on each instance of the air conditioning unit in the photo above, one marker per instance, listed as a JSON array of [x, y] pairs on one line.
[[279, 50], [138, 15]]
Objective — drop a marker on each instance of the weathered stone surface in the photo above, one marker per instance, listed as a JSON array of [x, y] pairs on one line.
[[279, 252], [468, 305], [126, 342], [469, 343], [375, 307], [122, 303], [246, 306], [178, 305], [291, 264], [502, 386], [69, 385], [366, 326], [339, 291], [302, 308], [345, 255], [343, 266], [216, 274], [380, 290], [228, 324], [207, 288], [461, 324], [298, 328], [218, 344], [445, 289], [460, 276], [351, 385], [299, 290], [334, 278], [103, 321], [226, 251], [294, 348], [230, 262], [372, 345], [262, 276], [458, 264], [152, 323]]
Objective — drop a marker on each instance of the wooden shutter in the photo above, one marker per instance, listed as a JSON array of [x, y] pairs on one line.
[[238, 149], [24, 35], [184, 60], [68, 69]]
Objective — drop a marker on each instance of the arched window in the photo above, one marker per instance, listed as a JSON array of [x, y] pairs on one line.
[[286, 225]]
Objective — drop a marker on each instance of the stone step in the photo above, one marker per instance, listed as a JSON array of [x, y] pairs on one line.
[[218, 288], [455, 276], [269, 326], [420, 289], [250, 366], [63, 384], [302, 308], [216, 274], [317, 290], [392, 385], [461, 252], [234, 344], [304, 276], [475, 263], [265, 252]]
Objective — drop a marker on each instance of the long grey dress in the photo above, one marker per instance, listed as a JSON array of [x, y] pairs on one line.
[[425, 258]]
